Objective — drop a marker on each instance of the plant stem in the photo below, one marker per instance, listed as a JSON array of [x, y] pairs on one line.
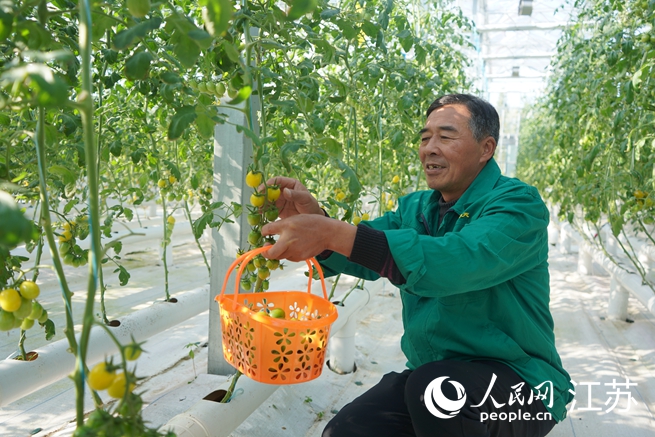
[[21, 345], [91, 154], [230, 389], [334, 286], [202, 251], [46, 223]]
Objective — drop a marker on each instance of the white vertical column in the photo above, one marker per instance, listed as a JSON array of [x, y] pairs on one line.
[[617, 307], [232, 155]]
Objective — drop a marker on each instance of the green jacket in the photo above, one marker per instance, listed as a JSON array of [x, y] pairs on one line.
[[477, 286]]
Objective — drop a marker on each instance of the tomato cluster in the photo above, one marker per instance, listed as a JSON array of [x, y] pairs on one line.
[[72, 231], [19, 307], [262, 210]]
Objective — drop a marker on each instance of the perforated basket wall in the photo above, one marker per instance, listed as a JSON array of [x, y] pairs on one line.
[[270, 350]]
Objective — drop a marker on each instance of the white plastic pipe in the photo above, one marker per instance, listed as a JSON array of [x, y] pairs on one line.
[[213, 419], [630, 282], [20, 378], [342, 342], [210, 418]]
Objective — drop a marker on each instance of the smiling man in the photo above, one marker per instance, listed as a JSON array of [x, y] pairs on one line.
[[469, 256]]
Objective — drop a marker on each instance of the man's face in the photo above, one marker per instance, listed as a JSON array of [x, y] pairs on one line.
[[451, 157]]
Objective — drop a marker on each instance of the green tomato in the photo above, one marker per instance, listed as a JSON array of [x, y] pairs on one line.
[[278, 313], [24, 310], [246, 284], [259, 261], [44, 317], [263, 272], [273, 264], [7, 320], [254, 219], [26, 324], [271, 214], [37, 311], [220, 90], [254, 237]]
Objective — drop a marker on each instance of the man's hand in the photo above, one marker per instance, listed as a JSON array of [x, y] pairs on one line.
[[295, 198], [303, 236]]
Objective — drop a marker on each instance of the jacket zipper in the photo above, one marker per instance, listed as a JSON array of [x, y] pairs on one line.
[[425, 224]]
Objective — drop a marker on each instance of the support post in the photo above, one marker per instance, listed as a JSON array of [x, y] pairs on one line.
[[232, 155], [585, 262], [617, 308]]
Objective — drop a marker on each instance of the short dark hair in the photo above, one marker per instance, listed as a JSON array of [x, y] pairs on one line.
[[484, 118]]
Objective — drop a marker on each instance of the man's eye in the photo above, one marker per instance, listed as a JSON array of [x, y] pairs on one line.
[[445, 138], [424, 139]]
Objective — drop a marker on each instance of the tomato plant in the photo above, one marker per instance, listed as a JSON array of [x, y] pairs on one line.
[[588, 144]]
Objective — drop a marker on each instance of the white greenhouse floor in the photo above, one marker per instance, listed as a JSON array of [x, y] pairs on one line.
[[594, 350]]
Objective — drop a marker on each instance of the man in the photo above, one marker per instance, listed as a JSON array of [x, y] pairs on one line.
[[470, 259]]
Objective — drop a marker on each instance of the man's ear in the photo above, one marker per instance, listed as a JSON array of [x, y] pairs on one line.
[[488, 148]]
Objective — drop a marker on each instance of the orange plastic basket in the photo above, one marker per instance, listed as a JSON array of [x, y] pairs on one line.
[[271, 350]]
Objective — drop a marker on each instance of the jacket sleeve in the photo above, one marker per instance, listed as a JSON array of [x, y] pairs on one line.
[[337, 263], [507, 239]]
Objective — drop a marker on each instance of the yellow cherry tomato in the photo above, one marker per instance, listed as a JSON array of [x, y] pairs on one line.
[[10, 300], [365, 216], [340, 196], [639, 194], [119, 387], [395, 179], [172, 179], [356, 220], [254, 179], [29, 290], [100, 378], [273, 193], [162, 183], [170, 220], [257, 199], [132, 352]]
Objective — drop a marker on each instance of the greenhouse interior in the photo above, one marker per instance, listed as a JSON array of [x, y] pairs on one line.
[[236, 218]]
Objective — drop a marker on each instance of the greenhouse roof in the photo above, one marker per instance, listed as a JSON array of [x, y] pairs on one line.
[[515, 40]]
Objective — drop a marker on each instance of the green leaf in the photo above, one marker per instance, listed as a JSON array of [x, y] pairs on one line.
[[170, 78], [354, 186], [217, 15], [370, 29], [194, 181], [125, 38], [69, 206], [329, 13], [205, 126], [173, 169], [49, 327], [300, 8], [186, 51], [242, 95], [287, 150], [123, 275], [15, 227], [180, 121], [67, 176], [231, 51], [138, 65]]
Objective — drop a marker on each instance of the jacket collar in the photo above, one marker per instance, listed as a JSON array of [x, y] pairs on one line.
[[483, 183]]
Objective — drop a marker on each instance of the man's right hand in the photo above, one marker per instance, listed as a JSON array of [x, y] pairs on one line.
[[294, 199]]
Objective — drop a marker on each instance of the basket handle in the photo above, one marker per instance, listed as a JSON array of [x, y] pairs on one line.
[[248, 256]]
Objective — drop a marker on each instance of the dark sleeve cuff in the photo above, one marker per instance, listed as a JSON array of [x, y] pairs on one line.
[[370, 248]]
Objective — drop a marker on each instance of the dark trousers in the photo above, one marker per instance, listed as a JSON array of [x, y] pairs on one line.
[[396, 405]]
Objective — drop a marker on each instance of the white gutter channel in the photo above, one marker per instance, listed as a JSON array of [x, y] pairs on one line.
[[214, 419], [20, 378]]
